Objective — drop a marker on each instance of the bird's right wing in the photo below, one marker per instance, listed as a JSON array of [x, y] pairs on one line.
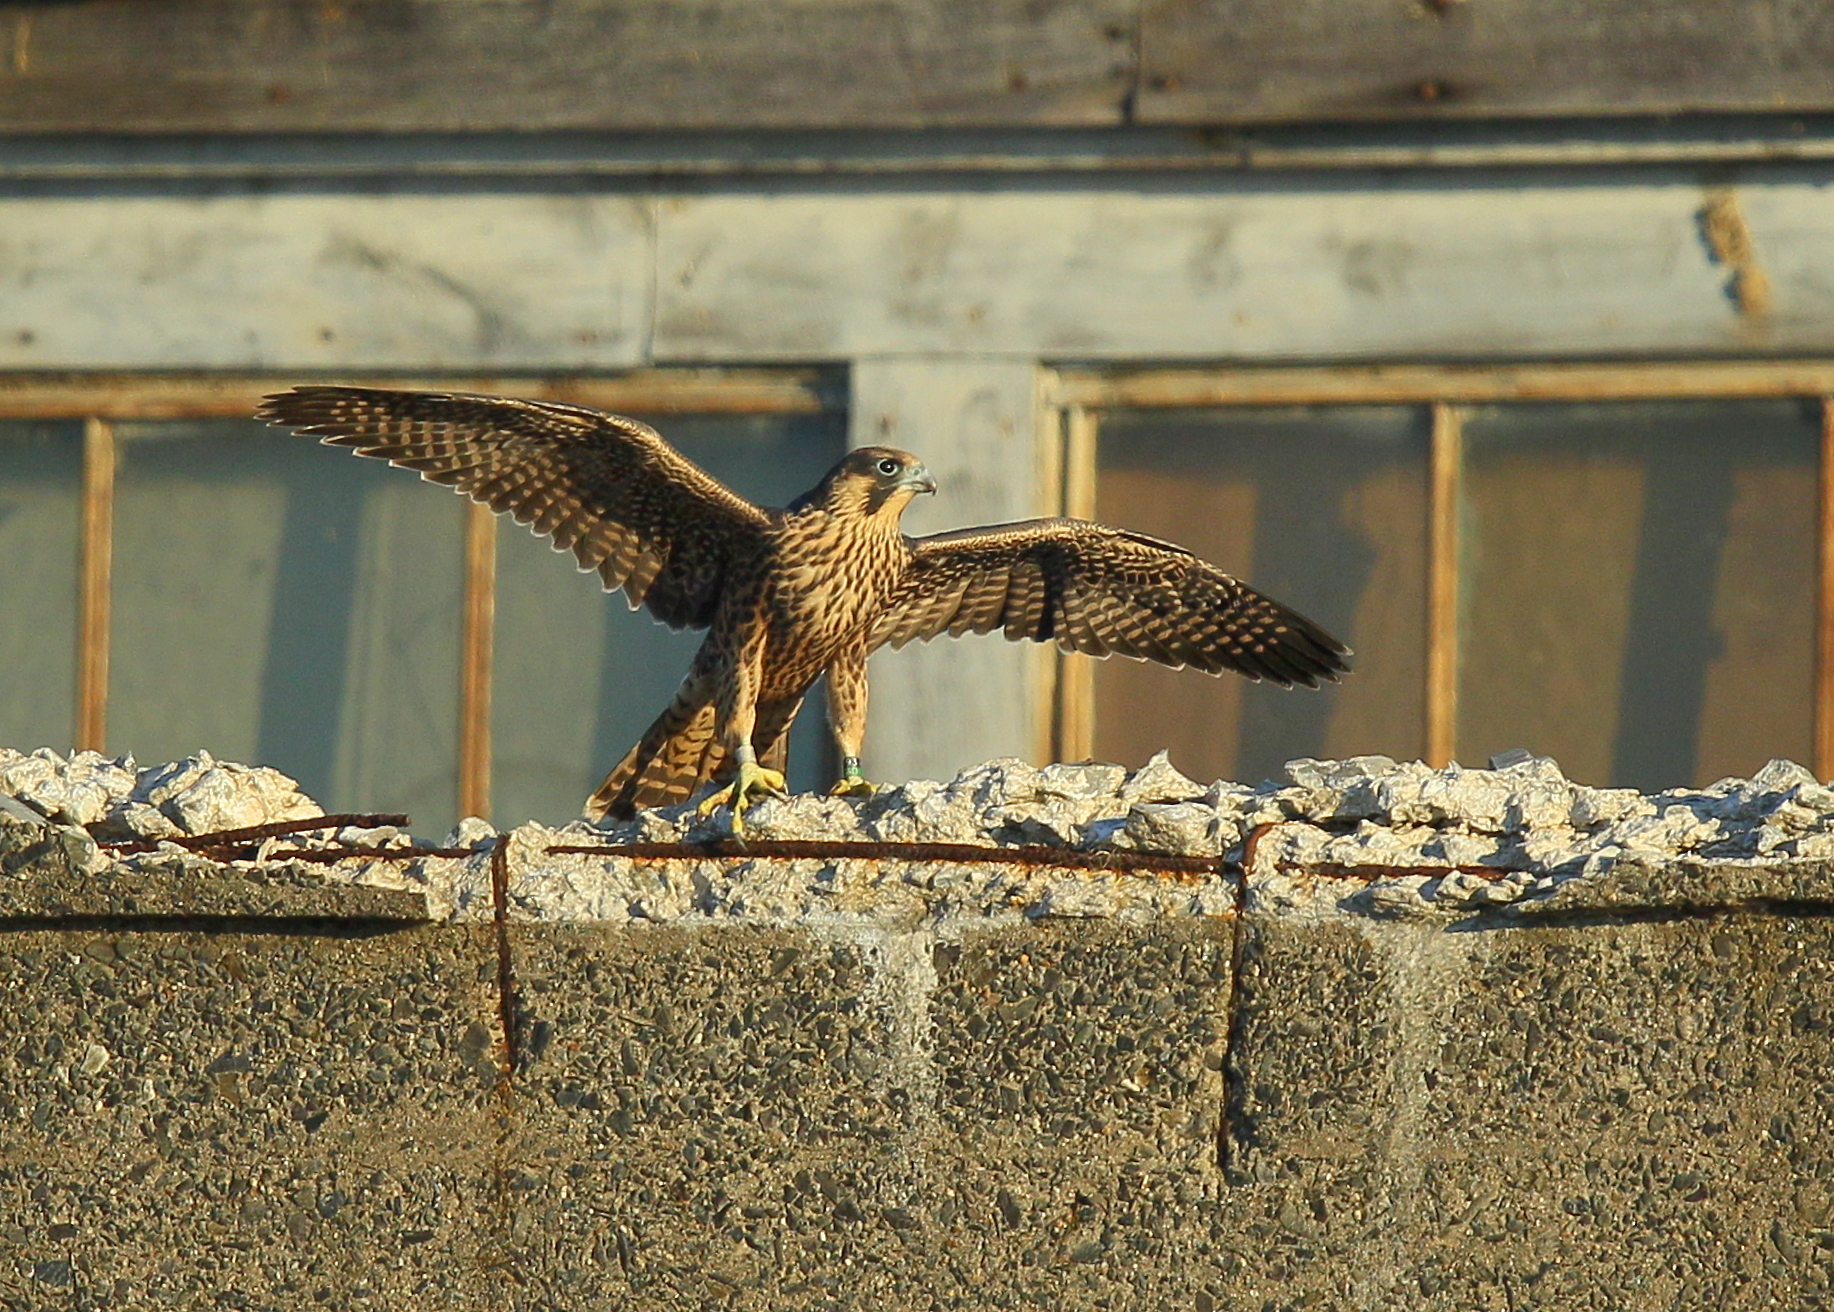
[[609, 489], [1100, 590]]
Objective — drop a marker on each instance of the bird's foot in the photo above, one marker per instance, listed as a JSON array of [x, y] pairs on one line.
[[851, 783], [753, 779]]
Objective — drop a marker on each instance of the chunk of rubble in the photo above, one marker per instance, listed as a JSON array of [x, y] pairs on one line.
[[202, 795], [79, 791]]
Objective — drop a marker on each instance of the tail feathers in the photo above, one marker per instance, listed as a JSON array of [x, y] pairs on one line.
[[675, 755], [681, 751]]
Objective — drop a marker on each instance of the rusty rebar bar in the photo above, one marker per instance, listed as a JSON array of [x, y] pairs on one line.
[[801, 849], [232, 838]]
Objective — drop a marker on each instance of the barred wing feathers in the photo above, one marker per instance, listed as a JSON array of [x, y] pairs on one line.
[[607, 488], [1103, 591]]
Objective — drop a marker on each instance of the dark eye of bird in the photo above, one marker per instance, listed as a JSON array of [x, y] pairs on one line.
[[888, 467]]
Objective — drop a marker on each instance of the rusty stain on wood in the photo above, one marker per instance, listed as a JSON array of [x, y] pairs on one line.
[[1444, 503], [1728, 236], [22, 44], [96, 567], [477, 643]]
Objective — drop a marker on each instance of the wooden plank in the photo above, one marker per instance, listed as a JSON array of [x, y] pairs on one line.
[[479, 65], [1424, 384], [467, 65], [1209, 61], [217, 396], [1824, 647], [941, 706], [375, 280], [1185, 268], [1601, 266], [95, 574], [1446, 481], [477, 643]]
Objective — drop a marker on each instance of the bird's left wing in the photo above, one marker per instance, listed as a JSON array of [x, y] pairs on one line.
[[607, 488], [1100, 590]]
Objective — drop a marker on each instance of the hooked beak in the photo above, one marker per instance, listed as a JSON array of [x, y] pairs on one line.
[[918, 479]]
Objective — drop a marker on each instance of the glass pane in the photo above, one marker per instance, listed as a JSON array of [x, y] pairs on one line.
[[579, 677], [1323, 508], [1639, 594], [41, 478], [280, 603]]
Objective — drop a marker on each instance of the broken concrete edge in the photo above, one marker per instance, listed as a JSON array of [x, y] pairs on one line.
[[869, 895], [1364, 837]]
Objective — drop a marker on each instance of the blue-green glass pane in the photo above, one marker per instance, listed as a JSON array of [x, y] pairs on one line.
[[41, 473], [1639, 587], [281, 603], [1322, 508]]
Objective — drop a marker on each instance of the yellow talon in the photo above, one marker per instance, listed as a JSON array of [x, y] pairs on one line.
[[752, 779], [851, 783]]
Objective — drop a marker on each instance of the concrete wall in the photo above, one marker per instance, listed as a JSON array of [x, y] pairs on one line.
[[295, 1095]]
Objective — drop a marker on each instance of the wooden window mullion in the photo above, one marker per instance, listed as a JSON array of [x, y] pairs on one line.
[[477, 646], [1446, 463], [95, 568]]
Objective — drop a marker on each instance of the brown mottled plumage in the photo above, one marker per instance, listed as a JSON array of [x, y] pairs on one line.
[[788, 596]]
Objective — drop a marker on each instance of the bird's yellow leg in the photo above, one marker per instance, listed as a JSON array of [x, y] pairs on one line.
[[847, 716], [752, 779], [851, 783]]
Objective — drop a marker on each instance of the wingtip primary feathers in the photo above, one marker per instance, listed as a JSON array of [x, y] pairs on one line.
[[1105, 591]]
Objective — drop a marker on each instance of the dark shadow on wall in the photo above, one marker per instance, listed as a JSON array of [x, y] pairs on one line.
[[1316, 507], [1304, 548], [1671, 641], [309, 633]]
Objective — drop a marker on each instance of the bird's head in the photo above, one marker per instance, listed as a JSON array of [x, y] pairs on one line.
[[877, 480]]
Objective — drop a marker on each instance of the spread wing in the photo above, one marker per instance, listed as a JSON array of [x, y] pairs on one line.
[[1102, 590], [609, 489]]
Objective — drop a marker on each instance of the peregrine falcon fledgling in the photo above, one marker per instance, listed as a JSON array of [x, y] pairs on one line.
[[790, 595]]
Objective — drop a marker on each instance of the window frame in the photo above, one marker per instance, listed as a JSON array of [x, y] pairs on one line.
[[1076, 397], [101, 401]]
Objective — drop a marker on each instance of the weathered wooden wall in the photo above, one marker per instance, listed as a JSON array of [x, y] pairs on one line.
[[459, 65], [1206, 268]]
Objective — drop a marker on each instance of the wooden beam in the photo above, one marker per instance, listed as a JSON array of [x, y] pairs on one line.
[[1427, 384], [642, 391], [95, 569], [943, 705], [138, 66], [1824, 628], [1444, 498], [502, 65], [477, 642], [1223, 61]]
